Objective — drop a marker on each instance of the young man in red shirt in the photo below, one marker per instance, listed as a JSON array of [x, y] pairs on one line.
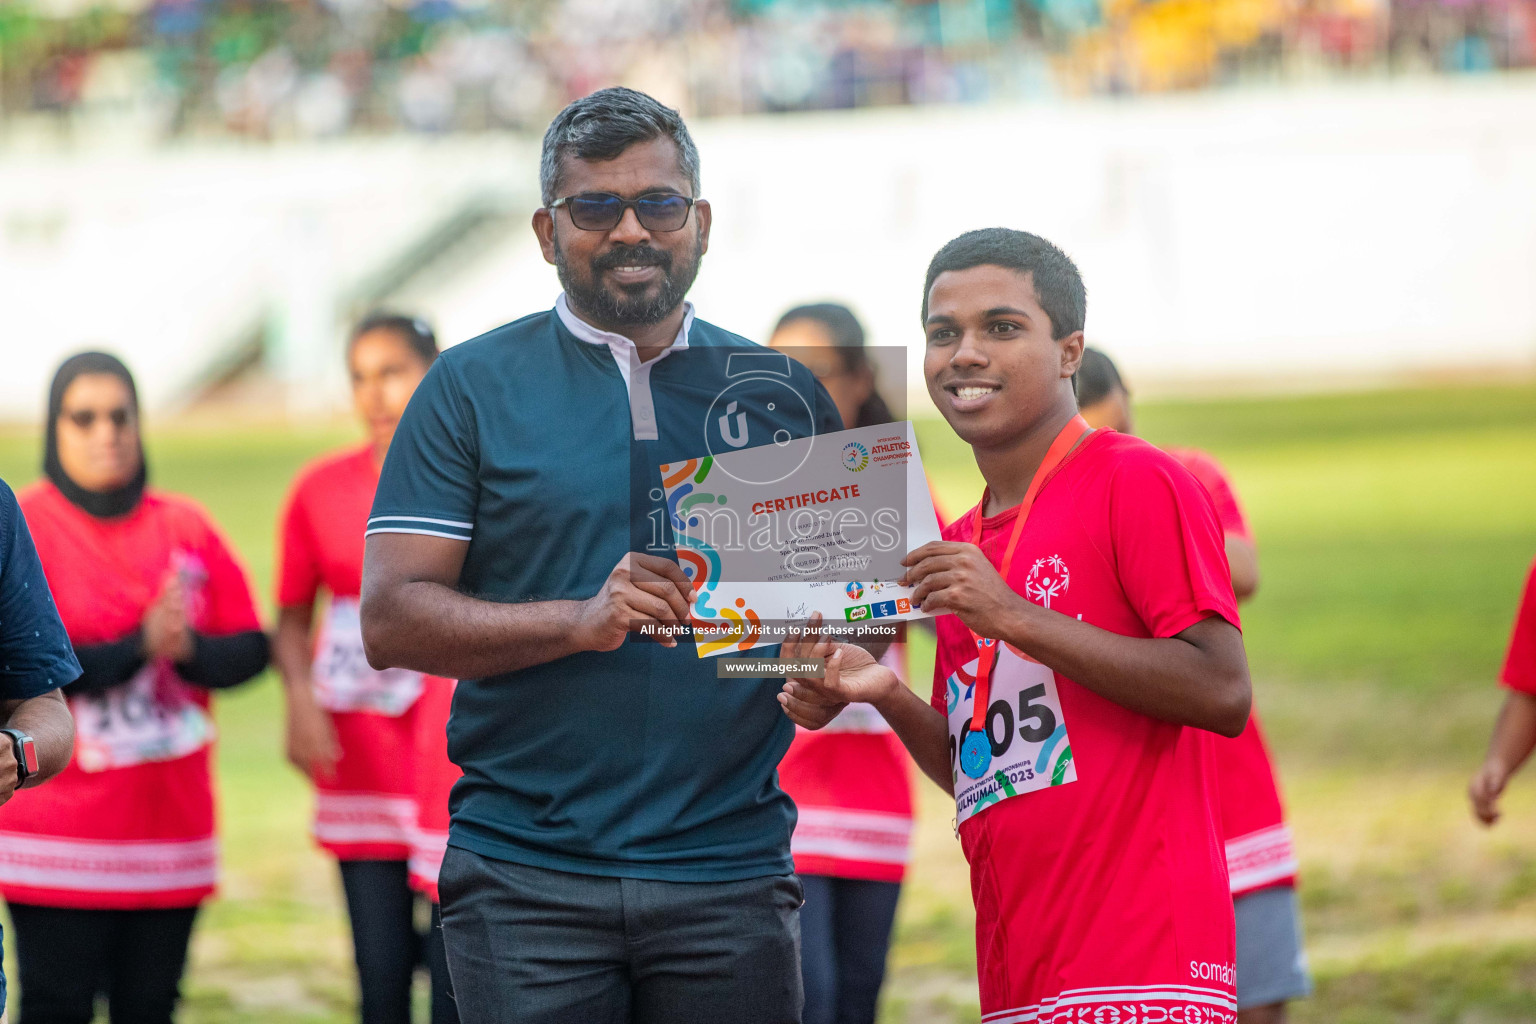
[[1088, 639], [1261, 856]]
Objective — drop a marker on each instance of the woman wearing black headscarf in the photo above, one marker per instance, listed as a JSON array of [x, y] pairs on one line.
[[104, 870]]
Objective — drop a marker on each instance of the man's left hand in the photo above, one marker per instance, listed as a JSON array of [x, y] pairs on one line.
[[7, 773]]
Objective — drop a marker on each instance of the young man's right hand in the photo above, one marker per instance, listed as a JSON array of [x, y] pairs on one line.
[[852, 674], [642, 590]]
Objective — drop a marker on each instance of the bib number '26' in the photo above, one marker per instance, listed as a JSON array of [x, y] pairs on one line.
[[1024, 745]]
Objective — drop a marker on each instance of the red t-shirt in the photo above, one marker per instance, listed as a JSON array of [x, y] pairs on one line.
[[1261, 851], [130, 823], [434, 781], [1204, 468], [367, 809], [1520, 664], [1106, 895], [852, 786]]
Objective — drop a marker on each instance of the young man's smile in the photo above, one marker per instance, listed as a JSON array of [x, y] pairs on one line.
[[970, 395]]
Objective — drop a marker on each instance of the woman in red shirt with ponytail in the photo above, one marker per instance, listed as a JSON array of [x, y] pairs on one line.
[[351, 729]]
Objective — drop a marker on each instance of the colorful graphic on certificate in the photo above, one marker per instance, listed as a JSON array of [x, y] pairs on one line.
[[771, 534]]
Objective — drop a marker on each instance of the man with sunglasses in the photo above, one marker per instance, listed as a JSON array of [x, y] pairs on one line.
[[619, 848]]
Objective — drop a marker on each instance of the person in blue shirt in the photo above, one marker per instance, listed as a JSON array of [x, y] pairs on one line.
[[36, 660], [619, 848]]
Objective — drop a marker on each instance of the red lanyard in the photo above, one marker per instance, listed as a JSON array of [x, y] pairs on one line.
[[986, 649]]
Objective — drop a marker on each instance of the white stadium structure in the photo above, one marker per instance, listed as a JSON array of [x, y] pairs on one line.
[[1295, 238]]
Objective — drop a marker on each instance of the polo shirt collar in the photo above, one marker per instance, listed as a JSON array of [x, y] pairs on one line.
[[622, 348], [636, 374]]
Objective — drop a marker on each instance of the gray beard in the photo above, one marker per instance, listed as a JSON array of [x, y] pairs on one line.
[[615, 311]]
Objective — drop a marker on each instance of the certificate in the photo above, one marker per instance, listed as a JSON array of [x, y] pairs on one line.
[[769, 535]]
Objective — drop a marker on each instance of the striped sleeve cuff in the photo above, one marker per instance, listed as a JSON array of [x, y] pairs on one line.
[[424, 525]]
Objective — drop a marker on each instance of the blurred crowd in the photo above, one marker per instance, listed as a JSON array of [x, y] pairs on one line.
[[314, 68]]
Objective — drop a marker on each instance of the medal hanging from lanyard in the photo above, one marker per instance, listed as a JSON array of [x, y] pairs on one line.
[[976, 751]]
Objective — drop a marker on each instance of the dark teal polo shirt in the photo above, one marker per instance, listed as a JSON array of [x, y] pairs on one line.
[[36, 655], [637, 762]]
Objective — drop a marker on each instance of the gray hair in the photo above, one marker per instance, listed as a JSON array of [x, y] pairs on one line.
[[605, 124]]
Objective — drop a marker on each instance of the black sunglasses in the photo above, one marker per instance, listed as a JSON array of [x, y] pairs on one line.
[[602, 211], [86, 418]]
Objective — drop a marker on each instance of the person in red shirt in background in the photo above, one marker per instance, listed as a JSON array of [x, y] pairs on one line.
[[851, 783], [435, 776], [1261, 856], [351, 730], [1088, 639], [105, 868], [1514, 734]]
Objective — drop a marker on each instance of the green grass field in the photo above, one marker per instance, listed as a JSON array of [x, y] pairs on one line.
[[1394, 528]]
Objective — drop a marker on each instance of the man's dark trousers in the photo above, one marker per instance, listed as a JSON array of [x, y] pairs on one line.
[[532, 946]]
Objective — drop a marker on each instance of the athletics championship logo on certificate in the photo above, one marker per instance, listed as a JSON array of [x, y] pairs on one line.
[[771, 534]]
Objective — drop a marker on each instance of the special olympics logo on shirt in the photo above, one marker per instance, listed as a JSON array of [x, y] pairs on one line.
[[855, 456], [1048, 579]]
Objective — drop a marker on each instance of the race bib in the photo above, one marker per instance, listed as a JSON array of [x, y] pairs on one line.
[[344, 681], [1024, 746], [152, 717]]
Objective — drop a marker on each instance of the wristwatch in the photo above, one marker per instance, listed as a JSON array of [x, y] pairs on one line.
[[26, 754]]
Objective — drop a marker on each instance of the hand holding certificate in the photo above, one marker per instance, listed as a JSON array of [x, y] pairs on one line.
[[851, 674], [770, 535]]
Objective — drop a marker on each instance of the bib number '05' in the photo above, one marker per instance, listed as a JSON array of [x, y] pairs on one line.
[[1023, 745]]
